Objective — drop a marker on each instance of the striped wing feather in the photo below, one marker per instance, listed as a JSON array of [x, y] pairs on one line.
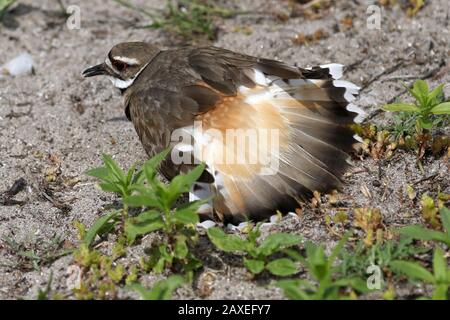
[[225, 90]]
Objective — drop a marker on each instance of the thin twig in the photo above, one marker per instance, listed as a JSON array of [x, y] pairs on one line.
[[426, 178], [387, 71]]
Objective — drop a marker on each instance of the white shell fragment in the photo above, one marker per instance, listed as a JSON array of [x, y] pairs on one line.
[[206, 224], [241, 226], [22, 64]]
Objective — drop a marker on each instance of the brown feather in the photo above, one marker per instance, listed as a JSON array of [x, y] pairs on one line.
[[206, 84]]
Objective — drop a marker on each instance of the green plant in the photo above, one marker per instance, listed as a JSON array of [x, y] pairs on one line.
[[38, 254], [101, 274], [421, 233], [191, 18], [162, 290], [186, 18], [429, 211], [354, 262], [101, 227], [440, 277], [404, 125], [428, 107], [113, 178], [427, 112], [43, 294], [4, 6], [259, 256], [321, 269], [143, 189]]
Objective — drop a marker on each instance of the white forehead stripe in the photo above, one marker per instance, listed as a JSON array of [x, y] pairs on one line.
[[129, 61]]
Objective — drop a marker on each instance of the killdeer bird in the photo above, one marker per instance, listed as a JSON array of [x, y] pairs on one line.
[[296, 118]]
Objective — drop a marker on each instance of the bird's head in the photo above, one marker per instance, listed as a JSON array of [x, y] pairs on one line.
[[124, 63]]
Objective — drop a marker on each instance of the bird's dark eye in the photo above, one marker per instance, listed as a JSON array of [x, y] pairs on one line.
[[119, 65]]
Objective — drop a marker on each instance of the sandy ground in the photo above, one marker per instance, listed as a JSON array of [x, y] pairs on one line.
[[54, 124]]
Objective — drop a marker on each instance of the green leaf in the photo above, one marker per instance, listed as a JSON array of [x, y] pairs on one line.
[[97, 227], [282, 267], [186, 216], [294, 255], [181, 183], [435, 93], [439, 265], [255, 266], [444, 212], [418, 232], [292, 290], [146, 222], [156, 160], [162, 290], [420, 91], [421, 86], [440, 292], [151, 166], [4, 5], [337, 249], [114, 168], [413, 270], [443, 108], [112, 187], [101, 173], [181, 249], [316, 260], [142, 200], [224, 242], [405, 107], [356, 283], [276, 242], [130, 175], [425, 123]]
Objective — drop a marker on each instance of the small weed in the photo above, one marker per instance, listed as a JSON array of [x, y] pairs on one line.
[[371, 221], [34, 256], [430, 212], [440, 277], [186, 18], [101, 274], [327, 284], [412, 7], [356, 261], [142, 189], [113, 178], [377, 143], [421, 233], [44, 294], [404, 125], [259, 256], [427, 112], [162, 290], [415, 6]]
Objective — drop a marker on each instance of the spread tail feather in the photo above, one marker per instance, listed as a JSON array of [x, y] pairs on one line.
[[312, 114]]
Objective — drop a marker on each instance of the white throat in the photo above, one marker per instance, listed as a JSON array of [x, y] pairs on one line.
[[122, 84]]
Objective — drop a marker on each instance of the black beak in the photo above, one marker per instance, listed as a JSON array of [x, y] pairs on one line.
[[95, 71]]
